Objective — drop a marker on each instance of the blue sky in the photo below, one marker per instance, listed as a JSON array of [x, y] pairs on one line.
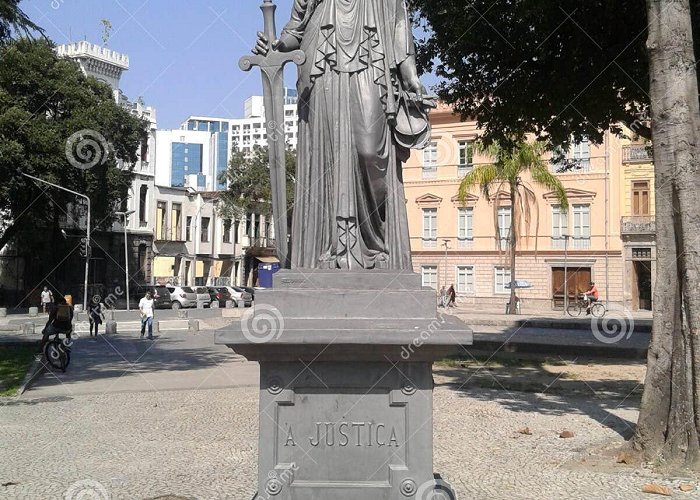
[[183, 53]]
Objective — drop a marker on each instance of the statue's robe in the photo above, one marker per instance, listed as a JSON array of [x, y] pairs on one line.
[[350, 207]]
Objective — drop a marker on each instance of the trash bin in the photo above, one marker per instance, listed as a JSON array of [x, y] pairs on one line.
[[69, 299], [265, 272]]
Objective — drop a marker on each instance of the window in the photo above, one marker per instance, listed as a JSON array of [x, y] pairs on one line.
[[430, 227], [504, 219], [143, 199], [204, 238], [176, 222], [188, 228], [465, 225], [227, 231], [430, 161], [465, 279], [581, 152], [501, 279], [429, 276], [466, 158], [560, 226], [161, 227], [582, 226], [640, 197]]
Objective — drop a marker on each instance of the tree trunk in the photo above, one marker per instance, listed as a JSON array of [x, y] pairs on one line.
[[669, 421], [513, 245]]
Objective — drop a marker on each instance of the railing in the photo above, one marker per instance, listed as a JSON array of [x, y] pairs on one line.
[[638, 224], [169, 234], [261, 242], [638, 153]]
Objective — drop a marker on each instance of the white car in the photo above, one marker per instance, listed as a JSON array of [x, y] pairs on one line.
[[239, 295], [203, 295], [182, 296]]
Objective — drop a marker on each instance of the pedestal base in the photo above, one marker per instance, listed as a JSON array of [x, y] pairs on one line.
[[346, 399]]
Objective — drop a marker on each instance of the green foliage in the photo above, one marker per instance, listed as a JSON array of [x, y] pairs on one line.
[[44, 100], [552, 69], [248, 177], [13, 20]]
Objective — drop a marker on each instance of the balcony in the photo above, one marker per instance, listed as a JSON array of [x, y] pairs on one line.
[[636, 153], [169, 234], [638, 224]]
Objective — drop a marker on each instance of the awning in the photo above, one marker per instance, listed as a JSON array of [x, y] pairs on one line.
[[268, 260], [170, 248]]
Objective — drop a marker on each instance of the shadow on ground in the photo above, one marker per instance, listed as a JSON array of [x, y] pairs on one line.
[[594, 388]]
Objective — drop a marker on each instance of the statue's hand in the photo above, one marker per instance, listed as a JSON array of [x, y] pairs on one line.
[[285, 44], [415, 86], [262, 46]]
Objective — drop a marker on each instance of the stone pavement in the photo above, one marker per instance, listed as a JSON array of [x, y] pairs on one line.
[[202, 444]]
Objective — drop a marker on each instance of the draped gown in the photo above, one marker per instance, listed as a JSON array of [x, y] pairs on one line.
[[350, 207]]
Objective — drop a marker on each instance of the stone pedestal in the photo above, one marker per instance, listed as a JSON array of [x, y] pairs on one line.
[[3, 312], [346, 384], [33, 312]]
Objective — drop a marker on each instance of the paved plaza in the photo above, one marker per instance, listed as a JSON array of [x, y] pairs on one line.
[[138, 420]]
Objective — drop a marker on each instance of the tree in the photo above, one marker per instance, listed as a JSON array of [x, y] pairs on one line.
[[569, 69], [58, 125], [248, 179], [14, 20], [508, 172]]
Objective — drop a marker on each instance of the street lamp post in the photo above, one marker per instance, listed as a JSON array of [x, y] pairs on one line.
[[126, 215], [446, 244], [87, 233], [566, 270]]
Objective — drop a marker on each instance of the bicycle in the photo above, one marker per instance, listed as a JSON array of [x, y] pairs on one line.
[[575, 308], [57, 352]]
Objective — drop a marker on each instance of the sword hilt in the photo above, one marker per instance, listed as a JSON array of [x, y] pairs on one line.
[[268, 8]]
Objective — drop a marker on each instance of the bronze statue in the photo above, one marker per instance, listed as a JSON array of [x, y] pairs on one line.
[[361, 107]]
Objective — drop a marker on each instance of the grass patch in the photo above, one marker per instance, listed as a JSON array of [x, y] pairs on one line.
[[15, 360]]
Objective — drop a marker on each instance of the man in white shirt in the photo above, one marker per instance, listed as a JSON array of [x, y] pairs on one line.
[[146, 309], [46, 298]]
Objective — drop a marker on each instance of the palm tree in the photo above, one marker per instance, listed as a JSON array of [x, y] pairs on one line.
[[506, 172]]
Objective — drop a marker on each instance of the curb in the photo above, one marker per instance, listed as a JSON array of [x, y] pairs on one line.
[[38, 367], [592, 351], [641, 326]]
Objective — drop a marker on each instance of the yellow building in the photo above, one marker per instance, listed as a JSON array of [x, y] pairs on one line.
[[637, 226], [456, 244]]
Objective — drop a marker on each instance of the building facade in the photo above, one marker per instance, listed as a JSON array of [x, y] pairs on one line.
[[455, 243]]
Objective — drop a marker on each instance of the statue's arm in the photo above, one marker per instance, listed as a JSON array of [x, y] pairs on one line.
[[293, 32], [405, 50]]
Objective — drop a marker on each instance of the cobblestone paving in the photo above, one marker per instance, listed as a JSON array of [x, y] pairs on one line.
[[202, 444]]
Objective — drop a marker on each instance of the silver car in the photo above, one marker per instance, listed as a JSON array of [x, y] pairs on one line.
[[203, 295], [239, 295], [182, 296]]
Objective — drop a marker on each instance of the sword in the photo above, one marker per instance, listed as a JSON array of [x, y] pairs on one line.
[[272, 68]]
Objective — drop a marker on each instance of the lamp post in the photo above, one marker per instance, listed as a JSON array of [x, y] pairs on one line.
[[446, 244], [87, 232], [566, 271], [126, 255]]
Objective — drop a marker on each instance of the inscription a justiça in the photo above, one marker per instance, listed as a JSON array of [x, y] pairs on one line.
[[348, 434]]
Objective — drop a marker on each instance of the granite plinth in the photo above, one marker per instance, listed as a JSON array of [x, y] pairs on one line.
[[346, 398]]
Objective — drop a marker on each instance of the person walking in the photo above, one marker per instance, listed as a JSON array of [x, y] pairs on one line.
[[46, 299], [451, 296], [442, 302], [94, 316], [146, 309]]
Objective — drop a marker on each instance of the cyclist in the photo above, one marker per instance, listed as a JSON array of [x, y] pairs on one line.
[[60, 321], [591, 296]]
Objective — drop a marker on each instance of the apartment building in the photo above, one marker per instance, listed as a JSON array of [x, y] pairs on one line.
[[455, 243]]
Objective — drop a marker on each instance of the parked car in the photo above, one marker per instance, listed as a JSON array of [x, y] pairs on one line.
[[182, 296], [250, 290], [203, 295], [219, 295], [238, 295], [161, 297]]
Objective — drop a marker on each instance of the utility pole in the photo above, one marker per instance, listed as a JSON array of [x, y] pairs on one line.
[[87, 233]]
